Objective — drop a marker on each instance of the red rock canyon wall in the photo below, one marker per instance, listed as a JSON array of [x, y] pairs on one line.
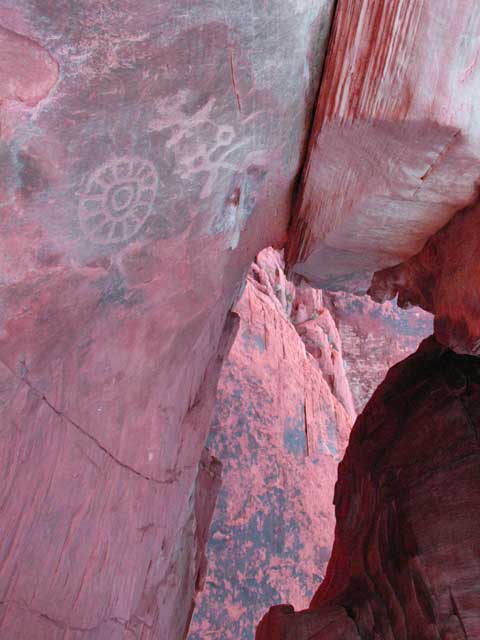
[[283, 416], [148, 152], [280, 429], [405, 562]]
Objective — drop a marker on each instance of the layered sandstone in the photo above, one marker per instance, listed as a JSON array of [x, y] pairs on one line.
[[405, 562], [395, 145]]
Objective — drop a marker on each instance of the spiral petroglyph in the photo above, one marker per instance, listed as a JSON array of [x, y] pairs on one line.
[[118, 199]]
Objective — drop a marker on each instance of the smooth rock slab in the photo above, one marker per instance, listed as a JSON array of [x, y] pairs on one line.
[[396, 140]]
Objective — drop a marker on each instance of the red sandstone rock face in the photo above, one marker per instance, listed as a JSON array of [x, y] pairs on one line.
[[188, 564], [159, 159], [374, 338], [280, 428], [27, 71], [149, 151], [442, 279], [405, 562], [396, 140]]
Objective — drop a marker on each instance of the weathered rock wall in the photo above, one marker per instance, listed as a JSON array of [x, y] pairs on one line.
[[396, 140], [405, 562], [148, 152], [273, 527], [374, 337], [443, 279], [280, 429]]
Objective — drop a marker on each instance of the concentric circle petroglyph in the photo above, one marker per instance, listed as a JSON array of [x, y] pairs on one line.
[[118, 199]]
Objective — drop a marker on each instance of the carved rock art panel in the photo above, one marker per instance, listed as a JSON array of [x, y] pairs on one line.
[[118, 200], [202, 144]]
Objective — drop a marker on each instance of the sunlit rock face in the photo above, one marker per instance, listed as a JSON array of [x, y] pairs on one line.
[[374, 338], [443, 279], [282, 421], [405, 562], [149, 151], [395, 147], [273, 527]]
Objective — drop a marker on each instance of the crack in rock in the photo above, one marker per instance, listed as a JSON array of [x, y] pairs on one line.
[[175, 473]]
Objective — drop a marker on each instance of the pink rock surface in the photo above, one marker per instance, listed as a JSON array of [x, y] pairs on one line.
[[280, 429], [443, 279], [405, 562], [27, 71], [396, 140], [374, 337], [149, 151]]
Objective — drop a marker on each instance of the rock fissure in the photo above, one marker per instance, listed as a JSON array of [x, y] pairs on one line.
[[125, 466], [442, 153], [457, 613], [61, 624], [24, 379], [234, 84]]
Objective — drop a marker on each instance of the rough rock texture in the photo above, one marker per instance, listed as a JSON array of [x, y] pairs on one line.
[[406, 561], [280, 428], [65, 496], [374, 338], [396, 141], [442, 278], [149, 151], [27, 71]]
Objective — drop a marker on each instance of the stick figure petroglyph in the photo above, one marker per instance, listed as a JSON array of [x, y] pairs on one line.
[[201, 144]]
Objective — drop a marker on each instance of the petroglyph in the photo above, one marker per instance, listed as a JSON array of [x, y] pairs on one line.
[[118, 199], [201, 145]]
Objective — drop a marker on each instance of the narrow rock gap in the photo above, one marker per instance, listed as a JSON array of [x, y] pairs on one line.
[[285, 407], [309, 127]]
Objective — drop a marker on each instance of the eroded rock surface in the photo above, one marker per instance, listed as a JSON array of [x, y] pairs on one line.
[[405, 562], [27, 71], [149, 151], [442, 278], [282, 420], [374, 337], [396, 141]]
